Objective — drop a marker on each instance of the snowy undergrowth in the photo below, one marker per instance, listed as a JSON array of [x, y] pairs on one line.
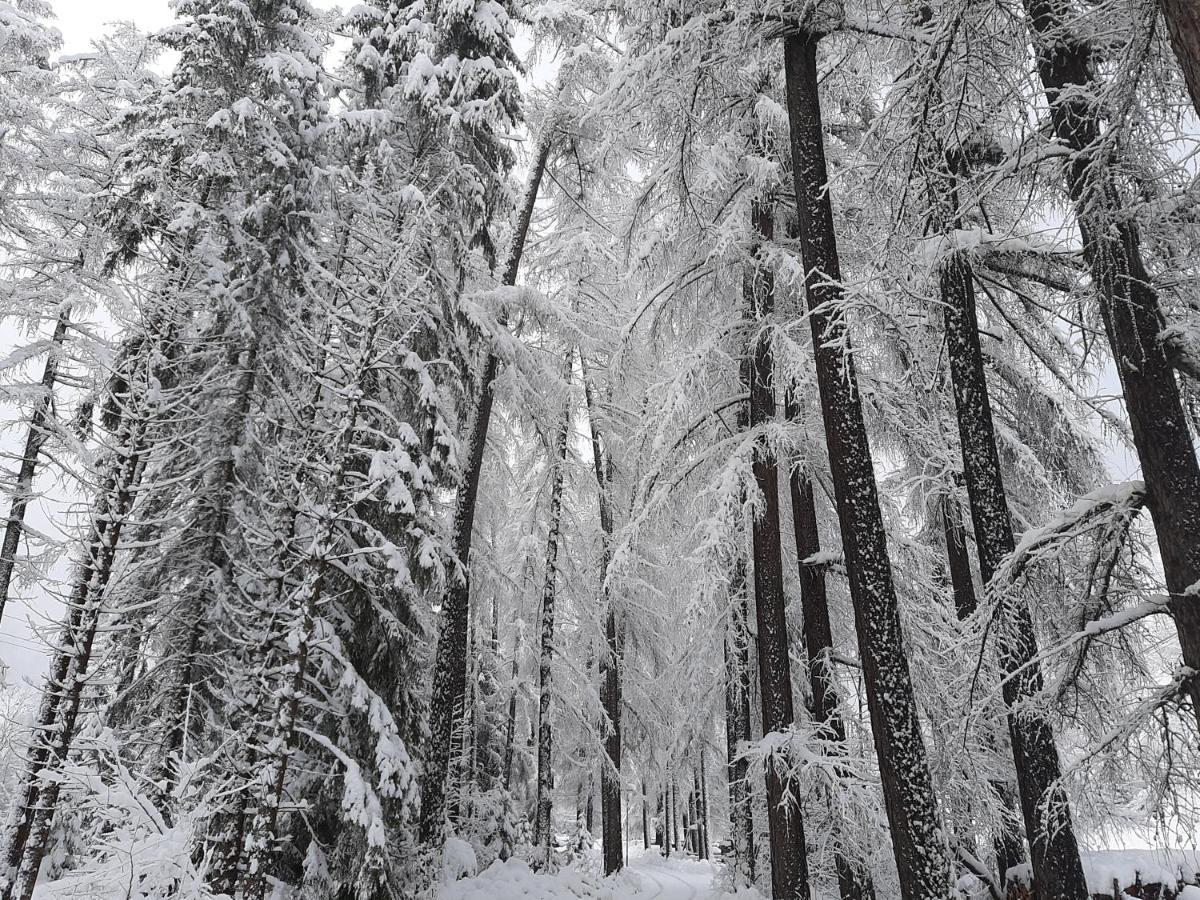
[[513, 879]]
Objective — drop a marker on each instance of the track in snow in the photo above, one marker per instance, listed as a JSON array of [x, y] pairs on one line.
[[670, 879]]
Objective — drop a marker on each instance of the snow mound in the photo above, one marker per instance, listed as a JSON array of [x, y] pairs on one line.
[[514, 880], [1126, 867]]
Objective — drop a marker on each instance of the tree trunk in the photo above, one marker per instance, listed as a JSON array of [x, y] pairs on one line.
[[737, 727], [1183, 24], [674, 813], [918, 838], [1057, 870], [215, 556], [1132, 318], [1008, 842], [449, 674], [545, 797], [22, 491], [645, 819], [510, 730], [59, 710], [789, 862], [958, 559], [610, 658], [704, 807], [854, 881]]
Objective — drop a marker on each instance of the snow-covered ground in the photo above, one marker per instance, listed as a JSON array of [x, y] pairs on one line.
[[647, 877]]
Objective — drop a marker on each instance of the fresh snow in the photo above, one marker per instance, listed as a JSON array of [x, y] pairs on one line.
[[648, 877]]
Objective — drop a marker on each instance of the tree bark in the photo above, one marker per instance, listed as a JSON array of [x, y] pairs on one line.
[[737, 726], [922, 859], [59, 710], [854, 881], [645, 819], [1183, 24], [610, 658], [449, 674], [704, 806], [1057, 870], [1132, 317], [789, 862], [545, 797], [510, 730], [22, 491]]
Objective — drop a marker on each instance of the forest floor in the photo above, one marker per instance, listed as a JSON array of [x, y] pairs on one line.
[[647, 877]]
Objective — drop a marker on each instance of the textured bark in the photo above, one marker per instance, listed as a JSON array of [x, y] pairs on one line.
[[22, 491], [545, 784], [918, 841], [1008, 843], [703, 812], [645, 819], [449, 673], [674, 813], [510, 729], [1132, 317], [215, 556], [58, 712], [1183, 24], [1057, 870], [610, 658], [958, 559], [854, 881], [789, 862], [737, 726]]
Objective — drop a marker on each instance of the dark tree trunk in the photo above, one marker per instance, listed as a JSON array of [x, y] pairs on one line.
[[789, 862], [510, 729], [917, 834], [854, 881], [1008, 843], [1183, 24], [1132, 318], [645, 819], [22, 491], [1057, 870], [737, 726], [958, 559], [449, 673], [545, 798], [674, 813], [704, 807], [610, 658], [59, 710], [203, 601], [667, 818]]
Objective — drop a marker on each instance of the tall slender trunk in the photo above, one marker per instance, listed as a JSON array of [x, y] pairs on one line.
[[917, 834], [645, 819], [1132, 318], [958, 558], [703, 809], [854, 881], [737, 726], [1008, 842], [610, 658], [1183, 24], [545, 799], [666, 820], [1057, 870], [789, 862], [61, 700], [510, 729], [674, 812], [215, 555], [449, 675], [22, 491]]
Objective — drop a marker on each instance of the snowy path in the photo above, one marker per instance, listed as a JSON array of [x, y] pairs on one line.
[[647, 877], [661, 879]]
